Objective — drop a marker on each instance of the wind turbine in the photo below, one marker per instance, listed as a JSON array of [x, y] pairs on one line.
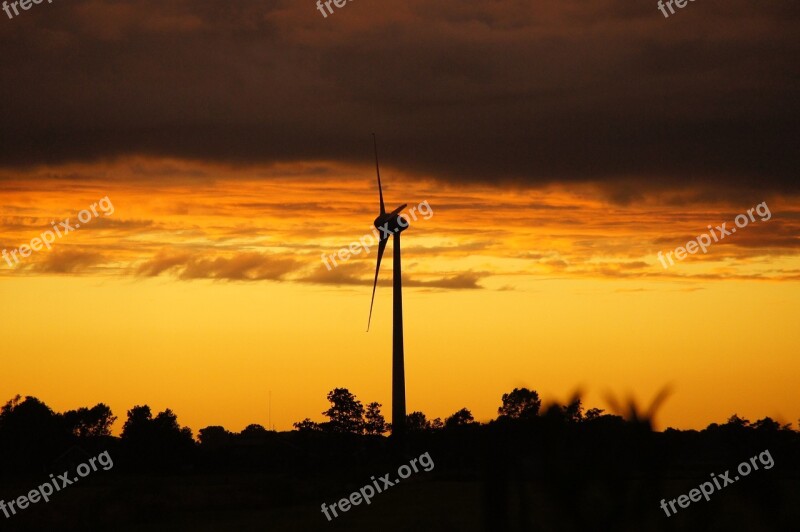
[[392, 224]]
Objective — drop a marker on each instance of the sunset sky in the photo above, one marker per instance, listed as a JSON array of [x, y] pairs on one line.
[[559, 145]]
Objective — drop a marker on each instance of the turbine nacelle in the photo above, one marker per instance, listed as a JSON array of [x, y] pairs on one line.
[[391, 223]]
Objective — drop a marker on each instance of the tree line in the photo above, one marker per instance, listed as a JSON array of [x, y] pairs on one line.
[[32, 435]]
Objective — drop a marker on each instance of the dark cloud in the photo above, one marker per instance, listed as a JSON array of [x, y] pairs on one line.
[[162, 263], [461, 281], [239, 267], [353, 274], [526, 91], [101, 223], [344, 274], [67, 262]]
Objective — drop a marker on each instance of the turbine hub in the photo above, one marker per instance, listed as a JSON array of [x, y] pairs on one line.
[[390, 224]]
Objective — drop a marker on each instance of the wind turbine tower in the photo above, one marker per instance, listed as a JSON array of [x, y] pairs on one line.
[[392, 224]]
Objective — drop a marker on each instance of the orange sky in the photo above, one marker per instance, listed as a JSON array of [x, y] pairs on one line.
[[205, 290]]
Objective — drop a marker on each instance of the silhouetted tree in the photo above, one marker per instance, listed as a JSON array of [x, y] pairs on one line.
[[737, 421], [138, 423], [167, 421], [19, 414], [417, 422], [156, 442], [374, 422], [31, 434], [573, 412], [214, 436], [254, 430], [10, 405], [254, 434], [306, 425], [29, 416], [167, 429], [90, 422], [460, 418], [593, 413], [346, 412], [521, 403], [766, 424], [437, 423]]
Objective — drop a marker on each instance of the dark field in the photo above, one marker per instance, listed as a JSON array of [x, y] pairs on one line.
[[605, 474]]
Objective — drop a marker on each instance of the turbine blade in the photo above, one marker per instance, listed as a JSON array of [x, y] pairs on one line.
[[378, 170], [400, 208], [381, 248]]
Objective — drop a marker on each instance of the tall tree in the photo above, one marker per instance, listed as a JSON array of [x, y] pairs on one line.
[[374, 422], [346, 412], [137, 426], [521, 403]]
